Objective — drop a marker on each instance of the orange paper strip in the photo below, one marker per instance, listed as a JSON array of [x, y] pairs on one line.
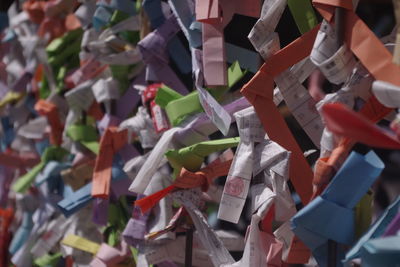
[[111, 141], [259, 92], [48, 109], [188, 179], [376, 59]]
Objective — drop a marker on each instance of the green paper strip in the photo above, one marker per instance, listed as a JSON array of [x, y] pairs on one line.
[[192, 157], [166, 95], [86, 135], [59, 44], [121, 74], [118, 217], [25, 181], [61, 50], [44, 90], [48, 260], [62, 72], [117, 17], [10, 97], [363, 214], [235, 73], [303, 14], [177, 110], [135, 253]]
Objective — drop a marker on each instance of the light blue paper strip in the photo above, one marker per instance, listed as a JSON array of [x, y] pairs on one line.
[[382, 252], [41, 146], [52, 170], [126, 6], [362, 172], [22, 234], [101, 17], [77, 200], [8, 132], [376, 230], [9, 36], [80, 198], [330, 216]]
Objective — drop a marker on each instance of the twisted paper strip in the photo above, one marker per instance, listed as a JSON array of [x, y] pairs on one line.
[[188, 179], [259, 92]]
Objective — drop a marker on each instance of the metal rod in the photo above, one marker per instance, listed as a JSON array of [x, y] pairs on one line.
[[113, 107], [189, 247], [339, 31], [84, 117], [339, 26], [332, 252], [18, 6]]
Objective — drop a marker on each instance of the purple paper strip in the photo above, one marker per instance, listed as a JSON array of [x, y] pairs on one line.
[[128, 152], [107, 121], [167, 76], [6, 176], [20, 85], [120, 188], [154, 53], [393, 227], [131, 98], [100, 211], [136, 228], [167, 264], [3, 88]]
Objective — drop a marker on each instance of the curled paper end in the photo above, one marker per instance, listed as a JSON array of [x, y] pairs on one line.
[[387, 93]]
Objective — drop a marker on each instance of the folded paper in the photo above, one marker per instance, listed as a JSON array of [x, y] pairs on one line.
[[334, 208]]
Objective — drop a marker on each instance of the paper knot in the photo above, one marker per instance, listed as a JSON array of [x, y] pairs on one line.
[[188, 180]]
